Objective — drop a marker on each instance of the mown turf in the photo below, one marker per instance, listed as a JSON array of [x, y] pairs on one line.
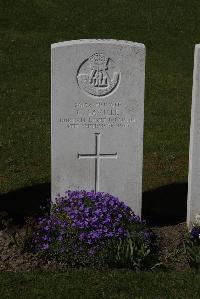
[[94, 284], [168, 28]]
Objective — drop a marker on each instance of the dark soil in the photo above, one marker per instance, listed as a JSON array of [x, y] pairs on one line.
[[170, 246], [169, 241]]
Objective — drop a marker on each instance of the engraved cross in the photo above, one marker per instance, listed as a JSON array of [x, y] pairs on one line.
[[97, 156]]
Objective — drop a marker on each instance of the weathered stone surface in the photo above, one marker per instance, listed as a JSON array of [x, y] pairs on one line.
[[97, 118], [193, 207]]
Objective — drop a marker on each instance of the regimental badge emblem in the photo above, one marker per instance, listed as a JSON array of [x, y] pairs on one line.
[[98, 75]]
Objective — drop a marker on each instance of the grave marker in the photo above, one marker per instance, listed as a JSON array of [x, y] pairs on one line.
[[193, 204], [97, 118], [97, 156]]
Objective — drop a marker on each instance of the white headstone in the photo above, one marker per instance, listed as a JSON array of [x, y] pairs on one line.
[[193, 206], [97, 118]]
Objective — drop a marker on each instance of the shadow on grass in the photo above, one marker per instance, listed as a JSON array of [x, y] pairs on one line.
[[162, 206], [25, 202], [166, 205]]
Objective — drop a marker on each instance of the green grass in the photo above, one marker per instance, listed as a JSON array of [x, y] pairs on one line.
[[169, 29], [95, 284], [111, 284]]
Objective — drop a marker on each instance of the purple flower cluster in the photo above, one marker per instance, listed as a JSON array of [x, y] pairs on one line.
[[83, 221], [195, 233]]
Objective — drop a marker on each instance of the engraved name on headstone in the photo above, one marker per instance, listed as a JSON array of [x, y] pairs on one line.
[[193, 205], [97, 118]]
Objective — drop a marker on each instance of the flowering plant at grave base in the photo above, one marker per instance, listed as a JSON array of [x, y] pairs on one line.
[[86, 227], [197, 220], [192, 245], [195, 231]]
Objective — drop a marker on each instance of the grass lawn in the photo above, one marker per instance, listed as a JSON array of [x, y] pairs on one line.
[[169, 29], [105, 284]]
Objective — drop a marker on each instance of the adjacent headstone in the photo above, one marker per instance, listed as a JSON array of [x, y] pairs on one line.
[[193, 207], [97, 118]]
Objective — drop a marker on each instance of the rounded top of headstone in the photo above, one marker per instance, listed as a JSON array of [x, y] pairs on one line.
[[96, 41]]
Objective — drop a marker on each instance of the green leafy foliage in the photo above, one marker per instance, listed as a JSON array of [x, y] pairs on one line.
[[136, 251], [193, 252], [192, 249], [192, 246]]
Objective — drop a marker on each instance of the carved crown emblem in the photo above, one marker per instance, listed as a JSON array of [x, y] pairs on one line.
[[94, 75], [98, 62]]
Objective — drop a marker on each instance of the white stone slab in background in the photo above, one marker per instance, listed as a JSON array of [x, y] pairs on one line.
[[97, 118], [193, 206]]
